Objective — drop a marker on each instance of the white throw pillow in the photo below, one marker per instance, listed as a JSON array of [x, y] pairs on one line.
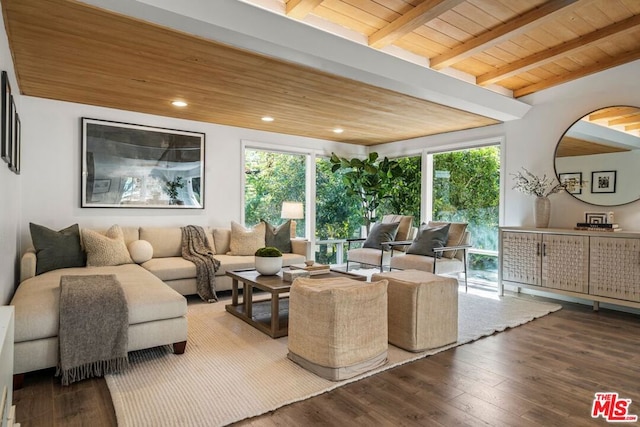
[[140, 251], [106, 249], [246, 241]]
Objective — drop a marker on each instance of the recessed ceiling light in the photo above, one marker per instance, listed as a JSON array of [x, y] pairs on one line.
[[267, 119], [179, 104], [338, 130]]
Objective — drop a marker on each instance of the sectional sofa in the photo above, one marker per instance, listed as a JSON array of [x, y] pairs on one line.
[[153, 289]]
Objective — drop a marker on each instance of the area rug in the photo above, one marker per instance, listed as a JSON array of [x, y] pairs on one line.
[[231, 371]]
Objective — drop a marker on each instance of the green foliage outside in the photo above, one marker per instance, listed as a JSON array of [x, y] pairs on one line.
[[405, 193], [270, 179], [337, 214], [467, 189]]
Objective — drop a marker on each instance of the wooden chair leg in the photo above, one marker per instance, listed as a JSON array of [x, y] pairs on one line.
[[179, 347]]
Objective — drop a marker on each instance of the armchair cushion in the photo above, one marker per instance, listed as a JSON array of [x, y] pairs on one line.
[[278, 237], [456, 235], [404, 228], [429, 238], [381, 233]]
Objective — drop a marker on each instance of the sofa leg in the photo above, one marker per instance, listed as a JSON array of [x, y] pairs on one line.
[[178, 347], [18, 381]]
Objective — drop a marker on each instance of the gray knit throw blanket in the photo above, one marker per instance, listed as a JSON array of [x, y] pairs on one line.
[[196, 248], [94, 327]]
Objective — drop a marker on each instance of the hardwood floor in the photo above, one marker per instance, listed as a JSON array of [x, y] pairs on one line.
[[544, 373]]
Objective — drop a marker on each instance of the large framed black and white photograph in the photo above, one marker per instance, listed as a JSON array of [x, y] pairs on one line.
[[603, 182], [135, 166]]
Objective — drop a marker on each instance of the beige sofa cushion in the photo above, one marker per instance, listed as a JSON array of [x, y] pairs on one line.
[[37, 299], [167, 241], [246, 241], [171, 268], [222, 238], [107, 249]]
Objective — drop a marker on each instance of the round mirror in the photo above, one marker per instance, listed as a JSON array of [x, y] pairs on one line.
[[602, 151]]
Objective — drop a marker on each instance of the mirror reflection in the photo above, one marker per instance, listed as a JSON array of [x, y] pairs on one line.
[[602, 149]]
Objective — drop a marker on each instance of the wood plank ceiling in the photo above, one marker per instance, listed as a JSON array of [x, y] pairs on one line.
[[69, 51], [522, 45]]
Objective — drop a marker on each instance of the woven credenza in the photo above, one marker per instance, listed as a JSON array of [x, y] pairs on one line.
[[600, 266]]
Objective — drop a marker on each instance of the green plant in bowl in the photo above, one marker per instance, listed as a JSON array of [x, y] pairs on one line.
[[269, 252]]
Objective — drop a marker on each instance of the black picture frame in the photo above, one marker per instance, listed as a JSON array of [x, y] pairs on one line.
[[127, 165], [603, 182], [5, 110], [16, 144], [572, 175]]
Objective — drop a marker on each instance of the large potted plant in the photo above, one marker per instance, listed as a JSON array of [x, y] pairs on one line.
[[268, 260], [369, 180]]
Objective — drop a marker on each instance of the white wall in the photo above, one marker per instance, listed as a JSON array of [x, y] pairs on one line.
[[531, 142], [51, 168], [10, 196]]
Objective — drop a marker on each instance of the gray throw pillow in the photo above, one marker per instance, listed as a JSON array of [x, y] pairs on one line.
[[381, 233], [429, 238], [56, 249], [278, 237]]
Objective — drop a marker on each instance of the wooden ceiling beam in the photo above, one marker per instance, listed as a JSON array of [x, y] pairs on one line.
[[506, 31], [585, 71], [416, 17], [298, 9], [632, 127], [608, 113], [629, 120], [560, 51]]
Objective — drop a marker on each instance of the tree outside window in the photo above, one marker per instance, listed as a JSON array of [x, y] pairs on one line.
[[270, 179]]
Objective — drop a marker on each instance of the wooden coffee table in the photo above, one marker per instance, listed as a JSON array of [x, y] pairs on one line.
[[267, 313]]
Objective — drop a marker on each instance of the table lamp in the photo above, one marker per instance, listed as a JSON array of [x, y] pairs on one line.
[[292, 211]]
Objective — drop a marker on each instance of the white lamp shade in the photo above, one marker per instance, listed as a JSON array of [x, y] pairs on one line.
[[292, 210]]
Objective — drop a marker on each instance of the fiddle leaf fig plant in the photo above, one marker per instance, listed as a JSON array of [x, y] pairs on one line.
[[368, 179]]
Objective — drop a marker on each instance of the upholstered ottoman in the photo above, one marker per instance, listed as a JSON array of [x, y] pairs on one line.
[[338, 326], [423, 309]]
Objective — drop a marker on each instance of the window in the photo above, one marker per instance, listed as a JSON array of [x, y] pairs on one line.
[[466, 188], [271, 178], [337, 216]]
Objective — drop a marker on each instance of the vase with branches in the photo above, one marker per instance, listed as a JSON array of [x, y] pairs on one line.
[[542, 188]]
